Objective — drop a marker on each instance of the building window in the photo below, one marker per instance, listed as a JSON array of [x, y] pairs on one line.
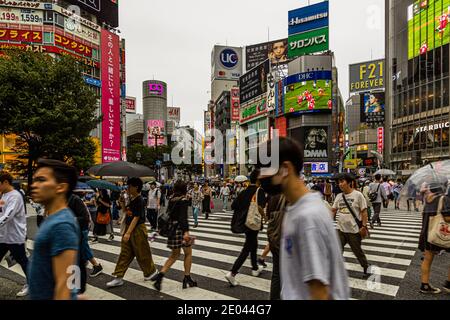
[[95, 54], [48, 37], [49, 17], [59, 20]]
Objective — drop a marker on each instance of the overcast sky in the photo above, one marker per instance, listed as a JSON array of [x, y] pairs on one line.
[[172, 40]]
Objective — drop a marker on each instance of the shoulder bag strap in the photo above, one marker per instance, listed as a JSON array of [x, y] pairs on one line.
[[358, 222], [440, 205]]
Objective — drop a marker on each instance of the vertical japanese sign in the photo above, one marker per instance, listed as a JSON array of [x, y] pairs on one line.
[[271, 92], [235, 104], [380, 140], [110, 97]]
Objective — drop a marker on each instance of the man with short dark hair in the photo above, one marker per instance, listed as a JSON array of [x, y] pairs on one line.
[[135, 237], [13, 225], [54, 257], [311, 263], [376, 187]]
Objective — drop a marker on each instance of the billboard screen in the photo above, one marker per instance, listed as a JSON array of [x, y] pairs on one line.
[[155, 132], [428, 26], [373, 107], [275, 51], [110, 97], [316, 142], [254, 83], [308, 30], [308, 92], [367, 76], [226, 63], [106, 10]]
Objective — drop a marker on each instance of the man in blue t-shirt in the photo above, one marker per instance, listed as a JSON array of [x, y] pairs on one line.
[[53, 271]]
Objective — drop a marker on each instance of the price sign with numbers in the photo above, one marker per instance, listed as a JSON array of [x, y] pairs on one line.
[[23, 16]]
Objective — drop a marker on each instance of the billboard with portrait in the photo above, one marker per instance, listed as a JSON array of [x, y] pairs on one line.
[[372, 107], [105, 10], [276, 51], [428, 26], [155, 132], [254, 83], [309, 92], [315, 142]]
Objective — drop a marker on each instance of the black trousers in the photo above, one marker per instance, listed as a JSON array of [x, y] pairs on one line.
[[355, 242], [275, 284], [152, 216], [377, 211], [17, 252], [250, 247]]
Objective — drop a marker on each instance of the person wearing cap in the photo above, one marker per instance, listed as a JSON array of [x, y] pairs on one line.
[[351, 200], [311, 263]]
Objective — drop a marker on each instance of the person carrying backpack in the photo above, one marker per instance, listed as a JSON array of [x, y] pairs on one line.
[[240, 207], [377, 195]]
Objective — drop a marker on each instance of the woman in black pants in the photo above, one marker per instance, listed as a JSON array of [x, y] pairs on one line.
[[207, 192], [180, 238]]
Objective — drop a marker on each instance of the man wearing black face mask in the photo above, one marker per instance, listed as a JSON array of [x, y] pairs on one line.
[[311, 263], [242, 204]]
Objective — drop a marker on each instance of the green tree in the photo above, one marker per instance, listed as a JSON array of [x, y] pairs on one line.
[[46, 103]]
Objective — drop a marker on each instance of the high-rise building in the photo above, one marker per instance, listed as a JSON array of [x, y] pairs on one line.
[[83, 30], [154, 104], [417, 89]]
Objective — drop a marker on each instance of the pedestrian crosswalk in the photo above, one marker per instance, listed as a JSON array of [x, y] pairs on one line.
[[390, 250]]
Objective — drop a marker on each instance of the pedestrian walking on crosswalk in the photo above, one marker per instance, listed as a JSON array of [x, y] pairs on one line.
[[240, 206], [135, 238], [196, 197], [207, 196], [179, 236], [352, 218], [13, 226], [311, 264], [57, 242]]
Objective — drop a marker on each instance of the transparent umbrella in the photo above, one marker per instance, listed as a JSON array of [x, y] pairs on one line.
[[433, 178]]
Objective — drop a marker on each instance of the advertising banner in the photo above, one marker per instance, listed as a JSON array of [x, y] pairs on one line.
[[316, 142], [78, 29], [20, 35], [106, 10], [281, 125], [308, 30], [226, 63], [253, 110], [110, 97], [309, 92], [279, 98], [48, 49], [318, 167], [372, 107], [130, 103], [254, 83], [308, 42], [154, 88], [275, 51], [235, 104], [22, 16], [271, 96], [173, 114], [428, 26], [155, 132], [367, 76], [380, 139], [75, 46]]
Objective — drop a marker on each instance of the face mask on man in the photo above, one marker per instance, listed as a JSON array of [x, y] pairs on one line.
[[270, 188]]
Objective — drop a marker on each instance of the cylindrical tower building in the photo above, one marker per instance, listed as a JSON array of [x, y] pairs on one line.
[[154, 104]]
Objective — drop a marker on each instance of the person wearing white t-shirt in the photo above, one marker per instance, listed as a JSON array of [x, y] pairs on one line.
[[225, 194], [13, 225], [348, 230], [153, 205]]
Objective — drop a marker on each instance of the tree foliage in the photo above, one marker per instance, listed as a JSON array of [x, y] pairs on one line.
[[46, 102]]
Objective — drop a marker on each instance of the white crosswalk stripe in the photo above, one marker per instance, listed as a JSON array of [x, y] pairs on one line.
[[390, 249]]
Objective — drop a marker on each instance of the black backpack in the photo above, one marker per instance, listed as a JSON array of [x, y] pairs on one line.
[[373, 196]]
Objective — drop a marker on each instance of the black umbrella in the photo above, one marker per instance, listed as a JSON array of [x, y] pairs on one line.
[[121, 169]]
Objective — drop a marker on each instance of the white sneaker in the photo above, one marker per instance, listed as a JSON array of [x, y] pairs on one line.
[[256, 273], [149, 278], [231, 279], [23, 292], [117, 282]]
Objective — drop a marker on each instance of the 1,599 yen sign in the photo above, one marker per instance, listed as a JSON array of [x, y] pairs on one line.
[[24, 16]]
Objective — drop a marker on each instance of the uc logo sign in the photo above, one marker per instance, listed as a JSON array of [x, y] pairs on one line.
[[229, 58]]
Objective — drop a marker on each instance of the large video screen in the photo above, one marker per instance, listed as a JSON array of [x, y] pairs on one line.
[[308, 93], [428, 26]]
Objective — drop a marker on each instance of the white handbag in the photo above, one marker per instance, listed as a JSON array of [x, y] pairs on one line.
[[254, 218], [439, 229]]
